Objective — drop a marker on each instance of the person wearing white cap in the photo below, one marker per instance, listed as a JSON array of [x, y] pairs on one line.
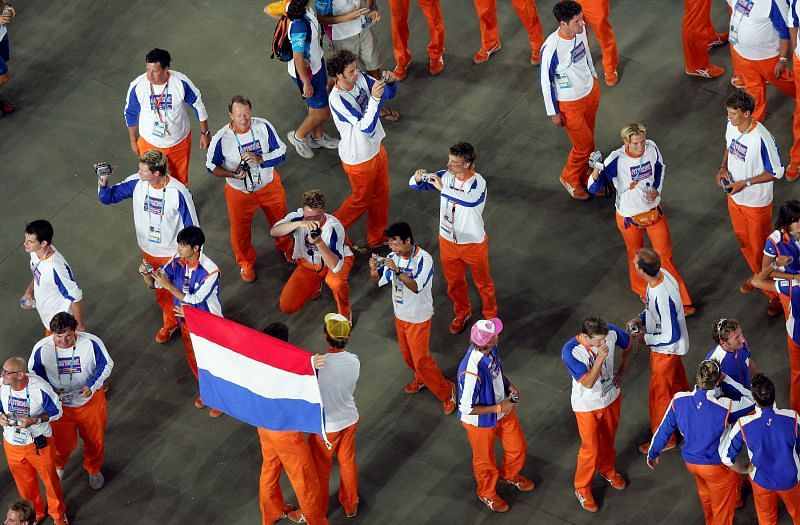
[[487, 400]]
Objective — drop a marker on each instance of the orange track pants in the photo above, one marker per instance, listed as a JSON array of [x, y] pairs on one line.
[[755, 74], [596, 12], [660, 239], [697, 31], [794, 374], [794, 153], [370, 185], [24, 464], [597, 429], [432, 10], [751, 225], [344, 447], [289, 451], [667, 377], [305, 282], [455, 260], [719, 488], [188, 349], [526, 10], [413, 339], [88, 421], [163, 297], [177, 157], [766, 503], [515, 448], [242, 207], [579, 116]]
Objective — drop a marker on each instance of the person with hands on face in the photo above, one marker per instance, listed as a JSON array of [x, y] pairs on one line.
[[244, 153], [409, 271], [77, 365], [192, 278], [486, 406], [749, 167], [320, 253], [596, 400], [661, 326], [28, 405], [636, 170], [703, 419]]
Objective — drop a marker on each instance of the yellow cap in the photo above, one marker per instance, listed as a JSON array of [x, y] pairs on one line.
[[337, 326]]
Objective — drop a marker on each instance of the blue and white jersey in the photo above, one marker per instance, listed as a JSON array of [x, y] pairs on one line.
[[567, 71], [411, 307], [200, 283], [227, 147], [332, 235], [356, 115], [342, 30], [771, 437], [54, 286], [633, 178], [149, 106], [702, 420], [757, 26], [310, 46], [480, 383], [736, 366], [664, 320], [789, 288], [461, 206], [158, 213], [35, 400], [749, 155], [580, 359], [780, 242], [68, 370]]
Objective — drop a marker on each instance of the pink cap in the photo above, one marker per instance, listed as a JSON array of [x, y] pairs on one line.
[[483, 331]]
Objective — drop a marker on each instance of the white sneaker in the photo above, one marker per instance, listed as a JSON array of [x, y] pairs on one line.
[[301, 145], [325, 141], [96, 481]]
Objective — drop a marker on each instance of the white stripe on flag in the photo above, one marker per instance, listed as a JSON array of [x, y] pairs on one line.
[[259, 378]]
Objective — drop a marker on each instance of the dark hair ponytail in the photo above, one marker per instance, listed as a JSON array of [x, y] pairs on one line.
[[296, 9]]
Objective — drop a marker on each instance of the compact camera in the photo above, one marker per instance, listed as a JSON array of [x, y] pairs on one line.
[[727, 187], [633, 329], [596, 160], [243, 167], [385, 76], [103, 169], [514, 397], [148, 268], [316, 232], [425, 178], [12, 421], [381, 261], [8, 10]]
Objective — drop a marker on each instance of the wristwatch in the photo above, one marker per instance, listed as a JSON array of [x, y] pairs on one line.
[[206, 132], [748, 183]]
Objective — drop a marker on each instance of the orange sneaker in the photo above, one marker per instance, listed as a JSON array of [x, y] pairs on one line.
[[214, 412], [458, 324], [400, 72], [689, 310], [536, 57], [413, 387], [747, 286], [615, 480], [586, 499], [612, 78], [792, 173], [198, 403], [248, 274], [774, 309], [163, 335], [483, 55], [495, 504], [711, 72], [436, 66], [296, 516], [522, 484], [579, 194], [449, 404]]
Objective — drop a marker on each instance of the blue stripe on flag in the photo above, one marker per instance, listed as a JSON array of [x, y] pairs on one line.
[[272, 414]]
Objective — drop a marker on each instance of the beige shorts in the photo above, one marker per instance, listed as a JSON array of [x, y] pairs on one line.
[[363, 45]]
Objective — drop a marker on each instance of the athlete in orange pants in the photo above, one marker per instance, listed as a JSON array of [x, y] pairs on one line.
[[766, 503], [698, 34], [751, 225], [481, 439], [490, 40], [288, 450], [579, 117], [344, 447], [793, 171], [177, 157], [756, 74], [189, 349], [164, 299], [455, 260], [598, 430], [414, 345], [667, 377], [595, 13], [25, 462], [719, 489], [89, 421], [658, 233], [305, 282], [241, 209], [794, 374], [432, 10], [370, 185]]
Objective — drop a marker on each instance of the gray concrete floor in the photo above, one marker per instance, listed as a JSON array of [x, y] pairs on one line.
[[554, 260]]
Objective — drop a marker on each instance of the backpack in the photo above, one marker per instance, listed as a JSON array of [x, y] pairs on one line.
[[281, 42]]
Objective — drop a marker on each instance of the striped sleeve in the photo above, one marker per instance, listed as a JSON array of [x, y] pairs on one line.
[[191, 95], [65, 281], [276, 152], [547, 76], [186, 208], [103, 365], [770, 157], [731, 444]]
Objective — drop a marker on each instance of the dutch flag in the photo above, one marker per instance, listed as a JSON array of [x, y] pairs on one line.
[[253, 377]]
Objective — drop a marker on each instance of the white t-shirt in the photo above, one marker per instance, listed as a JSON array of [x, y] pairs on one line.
[[342, 30], [664, 320], [757, 26], [149, 106], [54, 286], [750, 154], [409, 306], [337, 384], [227, 146], [567, 71], [634, 178], [35, 400], [580, 359], [332, 235]]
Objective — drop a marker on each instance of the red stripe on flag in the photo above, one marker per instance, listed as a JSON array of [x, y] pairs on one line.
[[248, 342]]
